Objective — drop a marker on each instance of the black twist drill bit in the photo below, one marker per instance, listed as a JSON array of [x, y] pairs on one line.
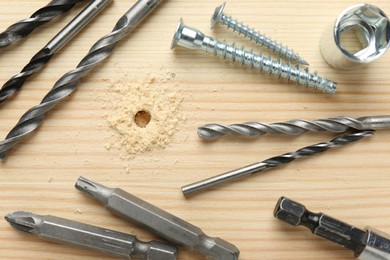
[[274, 162], [338, 124], [24, 27], [46, 53], [103, 48]]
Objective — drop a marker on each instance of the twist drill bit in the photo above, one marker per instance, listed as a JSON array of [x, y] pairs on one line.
[[159, 221], [367, 244], [294, 127], [24, 27], [46, 53], [274, 162], [91, 237], [67, 84]]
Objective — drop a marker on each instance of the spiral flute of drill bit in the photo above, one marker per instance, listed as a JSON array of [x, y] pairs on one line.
[[24, 27], [251, 34], [103, 48], [274, 162], [294, 127], [192, 38]]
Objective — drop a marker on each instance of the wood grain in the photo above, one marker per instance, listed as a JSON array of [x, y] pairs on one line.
[[351, 183]]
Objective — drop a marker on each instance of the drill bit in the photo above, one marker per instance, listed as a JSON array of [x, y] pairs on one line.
[[158, 221], [96, 238], [24, 27], [46, 53], [67, 84], [294, 127], [367, 244], [274, 162]]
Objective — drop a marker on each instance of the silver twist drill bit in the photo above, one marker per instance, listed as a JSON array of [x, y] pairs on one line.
[[67, 84], [338, 124], [274, 162], [92, 237], [158, 221], [194, 39], [220, 17], [24, 27], [42, 57]]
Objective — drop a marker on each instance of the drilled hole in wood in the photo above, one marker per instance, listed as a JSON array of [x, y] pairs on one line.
[[142, 118]]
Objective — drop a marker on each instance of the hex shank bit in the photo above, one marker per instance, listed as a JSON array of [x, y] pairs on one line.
[[42, 57], [96, 238], [68, 83], [24, 27], [158, 221], [273, 162], [338, 124]]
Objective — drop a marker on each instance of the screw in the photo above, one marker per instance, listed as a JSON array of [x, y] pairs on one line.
[[246, 31], [192, 38]]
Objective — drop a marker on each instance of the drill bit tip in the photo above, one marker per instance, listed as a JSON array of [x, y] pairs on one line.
[[94, 189], [23, 221]]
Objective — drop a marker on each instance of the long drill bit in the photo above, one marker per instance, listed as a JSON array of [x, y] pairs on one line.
[[274, 162], [65, 86], [294, 127], [42, 57], [96, 238], [24, 27]]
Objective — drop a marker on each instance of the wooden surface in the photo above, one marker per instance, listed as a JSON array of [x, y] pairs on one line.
[[351, 183]]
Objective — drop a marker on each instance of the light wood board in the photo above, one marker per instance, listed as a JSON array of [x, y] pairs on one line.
[[350, 183]]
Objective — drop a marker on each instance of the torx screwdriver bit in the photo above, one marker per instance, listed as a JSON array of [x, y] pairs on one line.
[[68, 83], [108, 241], [338, 124], [368, 244], [158, 221], [42, 57], [273, 162], [24, 27]]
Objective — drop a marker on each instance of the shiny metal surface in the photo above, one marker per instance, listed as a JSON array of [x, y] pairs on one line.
[[371, 28], [160, 222], [377, 246], [108, 241]]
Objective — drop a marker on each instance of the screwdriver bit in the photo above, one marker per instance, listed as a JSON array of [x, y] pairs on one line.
[[338, 124], [368, 244], [274, 162], [67, 84], [158, 221], [24, 27], [108, 241], [42, 57]]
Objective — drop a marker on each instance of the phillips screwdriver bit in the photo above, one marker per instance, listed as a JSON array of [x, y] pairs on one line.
[[274, 162], [67, 84], [42, 57], [338, 124], [158, 221], [88, 236], [367, 244], [23, 28]]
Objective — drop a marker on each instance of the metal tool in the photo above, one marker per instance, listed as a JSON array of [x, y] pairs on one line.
[[192, 38], [88, 236], [338, 124], [46, 53], [220, 17], [158, 221], [367, 244], [68, 83], [24, 27], [369, 37], [274, 162]]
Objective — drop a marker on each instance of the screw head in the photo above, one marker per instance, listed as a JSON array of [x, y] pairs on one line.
[[176, 36], [217, 14]]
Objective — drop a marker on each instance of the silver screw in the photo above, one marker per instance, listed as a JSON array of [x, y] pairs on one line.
[[192, 38], [246, 31]]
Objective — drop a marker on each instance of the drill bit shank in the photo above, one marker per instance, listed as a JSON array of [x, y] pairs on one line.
[[68, 83], [274, 162], [158, 221], [108, 241], [294, 127]]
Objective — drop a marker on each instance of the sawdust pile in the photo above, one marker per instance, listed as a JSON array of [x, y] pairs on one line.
[[143, 115]]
